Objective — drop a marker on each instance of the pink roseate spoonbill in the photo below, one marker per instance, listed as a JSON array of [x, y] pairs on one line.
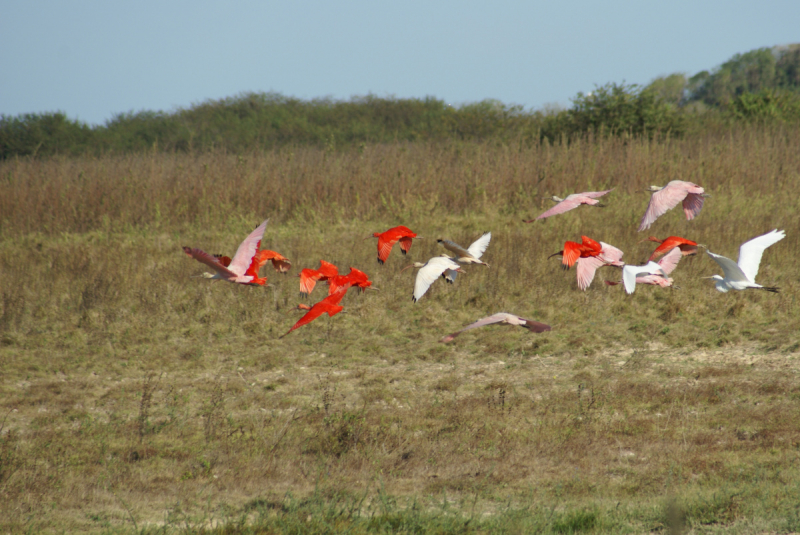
[[571, 202], [742, 275], [501, 317], [386, 241], [687, 247], [473, 253], [429, 272], [573, 250], [587, 266], [667, 197], [243, 268], [329, 305], [309, 277], [668, 263]]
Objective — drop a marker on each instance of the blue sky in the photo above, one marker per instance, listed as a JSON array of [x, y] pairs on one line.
[[93, 59]]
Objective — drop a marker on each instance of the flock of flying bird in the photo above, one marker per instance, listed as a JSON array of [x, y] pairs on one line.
[[588, 256]]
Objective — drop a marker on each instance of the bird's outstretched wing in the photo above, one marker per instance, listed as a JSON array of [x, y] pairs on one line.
[[572, 202], [611, 254], [479, 246], [596, 194], [385, 247], [660, 202], [670, 260], [729, 267], [629, 274], [501, 317], [586, 268], [454, 248], [247, 249], [428, 274], [750, 252], [692, 205], [210, 261], [405, 244]]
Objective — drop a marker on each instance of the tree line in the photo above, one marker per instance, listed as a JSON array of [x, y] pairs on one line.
[[761, 85]]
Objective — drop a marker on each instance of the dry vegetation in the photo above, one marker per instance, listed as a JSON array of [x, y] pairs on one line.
[[134, 396]]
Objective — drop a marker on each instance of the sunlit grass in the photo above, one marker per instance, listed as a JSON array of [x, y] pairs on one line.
[[135, 393]]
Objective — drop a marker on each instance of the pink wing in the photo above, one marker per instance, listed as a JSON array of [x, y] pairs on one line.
[[611, 254], [670, 260], [595, 194], [692, 205], [586, 268], [566, 205], [662, 201], [210, 261], [248, 248], [489, 320], [573, 201]]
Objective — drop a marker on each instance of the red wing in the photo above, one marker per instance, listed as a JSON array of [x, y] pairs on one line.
[[335, 298], [405, 244], [359, 278], [687, 246], [338, 282], [590, 244], [385, 247], [279, 262], [308, 279], [327, 270], [401, 231], [315, 312], [572, 251], [259, 259]]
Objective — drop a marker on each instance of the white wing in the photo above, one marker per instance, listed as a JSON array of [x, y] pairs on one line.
[[731, 269], [247, 249], [750, 252], [629, 274], [431, 271], [479, 246]]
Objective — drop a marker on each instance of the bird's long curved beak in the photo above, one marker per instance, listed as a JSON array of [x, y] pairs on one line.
[[405, 268], [555, 254], [368, 237]]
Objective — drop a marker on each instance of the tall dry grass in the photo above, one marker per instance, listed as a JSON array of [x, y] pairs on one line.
[[132, 387]]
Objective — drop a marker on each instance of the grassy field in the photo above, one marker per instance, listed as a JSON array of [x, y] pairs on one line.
[[134, 396]]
